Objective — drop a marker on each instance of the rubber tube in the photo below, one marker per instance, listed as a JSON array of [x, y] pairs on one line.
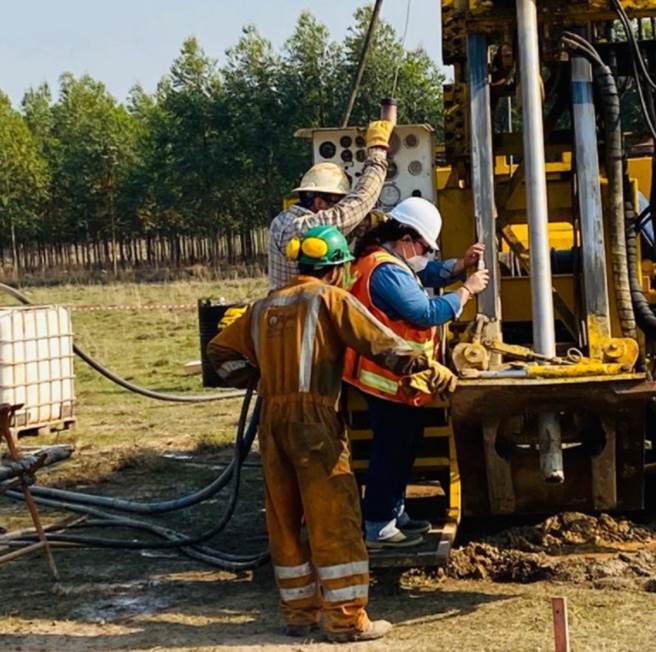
[[614, 154], [181, 541], [161, 507]]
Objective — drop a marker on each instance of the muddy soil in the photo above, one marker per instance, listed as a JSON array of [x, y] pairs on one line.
[[601, 551]]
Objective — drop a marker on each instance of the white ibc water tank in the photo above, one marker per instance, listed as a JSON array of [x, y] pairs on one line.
[[36, 365]]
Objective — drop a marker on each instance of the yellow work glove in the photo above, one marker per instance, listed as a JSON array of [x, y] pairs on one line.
[[231, 315], [378, 133], [437, 379]]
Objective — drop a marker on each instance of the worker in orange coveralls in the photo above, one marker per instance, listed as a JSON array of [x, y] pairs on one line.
[[295, 338]]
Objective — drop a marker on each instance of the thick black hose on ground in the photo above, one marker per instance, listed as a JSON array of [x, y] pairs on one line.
[[174, 540], [161, 507], [110, 375], [212, 556]]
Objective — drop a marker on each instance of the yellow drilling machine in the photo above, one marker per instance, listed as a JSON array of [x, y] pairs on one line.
[[547, 161]]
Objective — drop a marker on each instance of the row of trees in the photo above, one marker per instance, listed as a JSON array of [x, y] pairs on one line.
[[209, 154]]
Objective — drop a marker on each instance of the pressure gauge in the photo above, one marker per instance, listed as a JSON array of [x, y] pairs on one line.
[[390, 195]]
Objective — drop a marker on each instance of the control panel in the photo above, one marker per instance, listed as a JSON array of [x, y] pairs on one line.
[[411, 159]]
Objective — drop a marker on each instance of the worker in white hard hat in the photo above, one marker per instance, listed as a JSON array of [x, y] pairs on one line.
[[395, 263], [326, 199]]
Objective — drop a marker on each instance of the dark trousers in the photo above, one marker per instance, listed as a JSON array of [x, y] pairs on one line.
[[398, 429]]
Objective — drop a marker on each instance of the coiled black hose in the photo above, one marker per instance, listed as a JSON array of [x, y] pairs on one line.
[[110, 375], [175, 540]]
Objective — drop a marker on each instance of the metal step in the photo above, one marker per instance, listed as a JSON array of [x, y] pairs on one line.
[[434, 551]]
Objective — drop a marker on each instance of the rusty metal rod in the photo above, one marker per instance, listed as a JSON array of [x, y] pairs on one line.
[[363, 59], [6, 412]]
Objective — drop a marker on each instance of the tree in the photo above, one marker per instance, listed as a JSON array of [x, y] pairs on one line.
[[95, 146], [252, 110], [23, 179]]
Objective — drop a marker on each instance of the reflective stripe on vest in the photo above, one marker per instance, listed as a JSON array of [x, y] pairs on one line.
[[377, 381]]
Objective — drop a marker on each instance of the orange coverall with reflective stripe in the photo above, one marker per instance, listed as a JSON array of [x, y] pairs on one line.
[[296, 337]]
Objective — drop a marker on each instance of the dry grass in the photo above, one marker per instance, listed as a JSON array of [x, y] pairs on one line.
[[111, 600]]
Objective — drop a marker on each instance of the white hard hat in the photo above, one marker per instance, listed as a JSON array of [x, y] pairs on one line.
[[325, 177], [422, 216]]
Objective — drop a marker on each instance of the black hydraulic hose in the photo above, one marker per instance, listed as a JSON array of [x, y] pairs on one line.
[[218, 558], [182, 540], [110, 375], [643, 312], [161, 507], [610, 101]]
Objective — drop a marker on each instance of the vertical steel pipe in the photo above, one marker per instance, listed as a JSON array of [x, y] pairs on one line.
[[544, 336], [593, 251], [482, 171]]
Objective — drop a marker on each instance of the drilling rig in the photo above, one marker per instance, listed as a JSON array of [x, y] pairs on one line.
[[556, 358], [548, 159], [547, 163]]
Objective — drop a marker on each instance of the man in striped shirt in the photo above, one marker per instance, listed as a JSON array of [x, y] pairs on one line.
[[325, 200]]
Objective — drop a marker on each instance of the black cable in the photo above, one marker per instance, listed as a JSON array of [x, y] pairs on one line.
[[605, 81], [161, 507], [636, 59], [110, 375], [219, 558], [181, 541], [631, 40], [361, 63]]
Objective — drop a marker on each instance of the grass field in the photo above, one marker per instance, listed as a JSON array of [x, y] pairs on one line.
[[130, 446]]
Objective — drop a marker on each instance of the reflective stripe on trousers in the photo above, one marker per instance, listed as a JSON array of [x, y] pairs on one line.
[[290, 572], [346, 593], [299, 592]]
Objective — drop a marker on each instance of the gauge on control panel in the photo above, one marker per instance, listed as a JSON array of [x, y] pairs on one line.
[[390, 195], [392, 170], [327, 149], [415, 168], [411, 141], [345, 141]]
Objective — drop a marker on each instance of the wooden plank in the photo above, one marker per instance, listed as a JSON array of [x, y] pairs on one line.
[[604, 470], [501, 491], [561, 627]]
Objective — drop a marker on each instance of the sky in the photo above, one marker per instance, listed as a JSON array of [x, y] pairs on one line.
[[124, 42]]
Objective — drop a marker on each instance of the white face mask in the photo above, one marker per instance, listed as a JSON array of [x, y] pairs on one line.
[[419, 263]]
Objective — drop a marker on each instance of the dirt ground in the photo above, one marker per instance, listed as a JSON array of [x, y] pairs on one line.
[[494, 595]]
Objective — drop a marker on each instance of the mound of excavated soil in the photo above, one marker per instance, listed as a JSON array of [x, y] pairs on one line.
[[572, 547]]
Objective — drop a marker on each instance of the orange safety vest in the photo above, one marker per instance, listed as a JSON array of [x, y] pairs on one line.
[[366, 374]]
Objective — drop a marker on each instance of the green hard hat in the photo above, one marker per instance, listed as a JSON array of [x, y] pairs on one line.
[[321, 246]]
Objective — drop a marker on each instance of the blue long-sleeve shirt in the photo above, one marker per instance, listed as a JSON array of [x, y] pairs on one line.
[[395, 291]]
